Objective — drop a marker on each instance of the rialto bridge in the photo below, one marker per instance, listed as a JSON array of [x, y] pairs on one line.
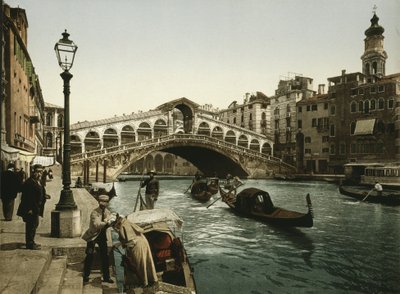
[[180, 127]]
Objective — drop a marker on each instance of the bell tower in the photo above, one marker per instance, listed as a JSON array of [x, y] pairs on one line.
[[374, 57]]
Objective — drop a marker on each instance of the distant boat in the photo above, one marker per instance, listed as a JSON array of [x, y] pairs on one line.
[[203, 188], [98, 189], [388, 197], [257, 204]]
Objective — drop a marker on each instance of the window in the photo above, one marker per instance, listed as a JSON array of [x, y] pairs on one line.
[[325, 139], [381, 89], [314, 122], [353, 107], [390, 104], [300, 109], [307, 151], [299, 124], [353, 148], [366, 106], [308, 108], [360, 106], [332, 131], [381, 103], [333, 151], [373, 104], [360, 91], [333, 110], [234, 120], [372, 90], [307, 139], [250, 106], [353, 92], [325, 105], [314, 107], [277, 124]]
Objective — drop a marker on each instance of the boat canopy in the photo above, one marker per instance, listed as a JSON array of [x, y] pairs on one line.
[[153, 216], [253, 198]]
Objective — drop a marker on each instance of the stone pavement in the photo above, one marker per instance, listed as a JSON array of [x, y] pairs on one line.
[[57, 267]]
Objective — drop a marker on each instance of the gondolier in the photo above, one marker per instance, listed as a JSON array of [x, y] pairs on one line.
[[152, 189]]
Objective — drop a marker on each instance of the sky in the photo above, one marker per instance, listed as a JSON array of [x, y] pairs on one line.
[[134, 55]]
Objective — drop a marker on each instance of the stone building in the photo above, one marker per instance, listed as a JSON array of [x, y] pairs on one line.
[[53, 131], [364, 108], [23, 104]]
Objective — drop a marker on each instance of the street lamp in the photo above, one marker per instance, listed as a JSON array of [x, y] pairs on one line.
[[66, 218], [65, 51]]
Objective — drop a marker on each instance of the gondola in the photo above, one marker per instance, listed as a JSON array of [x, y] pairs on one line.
[[202, 189], [388, 197], [161, 227], [98, 189], [257, 204]]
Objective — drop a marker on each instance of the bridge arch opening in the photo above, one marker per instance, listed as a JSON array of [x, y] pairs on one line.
[[187, 117], [204, 129], [160, 128], [144, 131], [243, 141], [127, 134], [76, 144], [217, 133], [266, 149], [158, 163], [230, 137], [255, 145], [92, 141], [110, 138]]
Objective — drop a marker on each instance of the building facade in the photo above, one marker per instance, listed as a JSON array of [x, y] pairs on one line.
[[22, 109], [53, 131]]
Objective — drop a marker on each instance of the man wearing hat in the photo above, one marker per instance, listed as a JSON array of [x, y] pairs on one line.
[[33, 199], [152, 189], [9, 189], [100, 219]]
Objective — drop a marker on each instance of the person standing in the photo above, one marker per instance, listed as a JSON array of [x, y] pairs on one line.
[[43, 179], [378, 188], [152, 189], [137, 250], [10, 187], [100, 220], [33, 200]]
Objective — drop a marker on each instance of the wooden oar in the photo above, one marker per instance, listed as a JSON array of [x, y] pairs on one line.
[[139, 195], [367, 194], [187, 190], [240, 184]]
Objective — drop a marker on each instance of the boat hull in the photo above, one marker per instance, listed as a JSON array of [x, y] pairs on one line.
[[360, 193]]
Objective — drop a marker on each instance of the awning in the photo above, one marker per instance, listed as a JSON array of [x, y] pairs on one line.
[[9, 153], [26, 156], [43, 160], [365, 127]]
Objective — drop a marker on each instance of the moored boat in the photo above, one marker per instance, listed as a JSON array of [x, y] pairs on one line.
[[257, 204], [388, 197], [169, 256]]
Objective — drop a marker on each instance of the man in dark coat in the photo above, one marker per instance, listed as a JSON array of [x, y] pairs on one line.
[[9, 189], [33, 199], [152, 189]]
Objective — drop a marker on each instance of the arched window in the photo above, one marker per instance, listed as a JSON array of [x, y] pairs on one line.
[[49, 140], [307, 140], [353, 106], [367, 70], [373, 104], [49, 118], [366, 106], [360, 106], [374, 67], [381, 103], [60, 121]]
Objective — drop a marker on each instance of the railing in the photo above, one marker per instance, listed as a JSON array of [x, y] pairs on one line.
[[184, 138]]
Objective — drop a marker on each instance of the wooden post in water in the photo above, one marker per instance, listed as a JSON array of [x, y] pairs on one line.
[[105, 171], [97, 171]]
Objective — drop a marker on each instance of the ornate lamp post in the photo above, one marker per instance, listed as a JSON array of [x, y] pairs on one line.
[[65, 50], [65, 219]]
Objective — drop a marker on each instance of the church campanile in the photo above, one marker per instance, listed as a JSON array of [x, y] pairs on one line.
[[374, 57]]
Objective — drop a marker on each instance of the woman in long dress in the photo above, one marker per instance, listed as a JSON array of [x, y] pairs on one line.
[[137, 250]]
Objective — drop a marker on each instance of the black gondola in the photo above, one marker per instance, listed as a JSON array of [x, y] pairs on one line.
[[388, 197], [257, 204]]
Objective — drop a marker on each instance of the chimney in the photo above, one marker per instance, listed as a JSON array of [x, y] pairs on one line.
[[321, 89]]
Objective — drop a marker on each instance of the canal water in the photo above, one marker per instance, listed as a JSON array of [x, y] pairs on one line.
[[354, 247]]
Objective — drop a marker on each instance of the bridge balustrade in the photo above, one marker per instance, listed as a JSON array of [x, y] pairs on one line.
[[160, 141]]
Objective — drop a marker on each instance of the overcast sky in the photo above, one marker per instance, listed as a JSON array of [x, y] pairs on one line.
[[135, 55]]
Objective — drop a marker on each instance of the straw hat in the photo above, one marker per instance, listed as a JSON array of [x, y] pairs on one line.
[[103, 199]]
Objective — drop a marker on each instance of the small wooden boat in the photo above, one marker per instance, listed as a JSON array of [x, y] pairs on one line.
[[257, 204], [200, 191], [98, 189], [213, 185], [170, 259], [388, 197]]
